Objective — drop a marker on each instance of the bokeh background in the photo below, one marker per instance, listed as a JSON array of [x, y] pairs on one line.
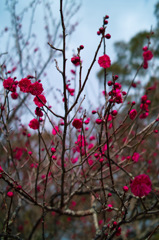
[[126, 18]]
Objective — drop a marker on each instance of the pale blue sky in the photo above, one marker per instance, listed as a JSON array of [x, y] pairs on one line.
[[127, 17]]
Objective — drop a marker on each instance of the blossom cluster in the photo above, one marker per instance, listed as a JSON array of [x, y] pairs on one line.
[[26, 86], [70, 90], [76, 60], [116, 93], [11, 85], [144, 106], [104, 61], [141, 185], [147, 56]]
